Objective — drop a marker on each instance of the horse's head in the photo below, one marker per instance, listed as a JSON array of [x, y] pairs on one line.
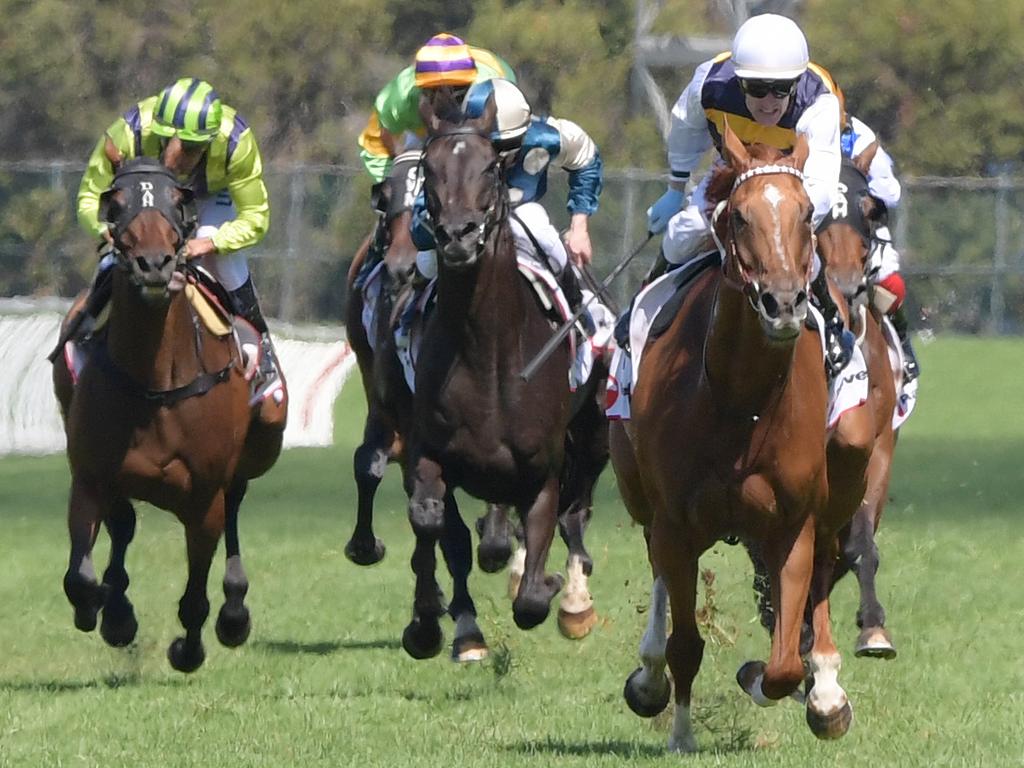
[[462, 181], [764, 227], [844, 236], [150, 218]]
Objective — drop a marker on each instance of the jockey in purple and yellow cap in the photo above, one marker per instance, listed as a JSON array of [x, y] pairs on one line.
[[445, 61]]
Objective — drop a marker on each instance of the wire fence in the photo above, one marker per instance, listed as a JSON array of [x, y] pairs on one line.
[[961, 240]]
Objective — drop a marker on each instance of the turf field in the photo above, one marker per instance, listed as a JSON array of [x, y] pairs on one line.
[[323, 680]]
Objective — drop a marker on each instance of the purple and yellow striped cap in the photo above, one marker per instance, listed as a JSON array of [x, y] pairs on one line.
[[444, 60]]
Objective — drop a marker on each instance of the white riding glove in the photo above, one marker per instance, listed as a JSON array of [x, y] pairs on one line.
[[667, 206]]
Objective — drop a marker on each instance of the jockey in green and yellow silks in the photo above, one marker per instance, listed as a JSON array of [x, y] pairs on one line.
[[213, 150]]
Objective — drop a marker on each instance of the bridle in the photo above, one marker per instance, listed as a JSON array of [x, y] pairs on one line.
[[494, 212], [746, 283]]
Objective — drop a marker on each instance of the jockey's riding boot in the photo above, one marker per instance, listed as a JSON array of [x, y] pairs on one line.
[[658, 268], [839, 342], [248, 306], [570, 285], [375, 253], [911, 370]]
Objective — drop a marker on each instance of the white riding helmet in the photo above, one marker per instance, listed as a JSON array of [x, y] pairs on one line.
[[513, 110], [769, 47]]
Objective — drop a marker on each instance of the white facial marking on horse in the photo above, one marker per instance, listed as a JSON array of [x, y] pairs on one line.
[[774, 197], [459, 146]]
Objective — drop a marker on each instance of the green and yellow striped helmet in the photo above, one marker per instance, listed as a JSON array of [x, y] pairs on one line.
[[190, 109]]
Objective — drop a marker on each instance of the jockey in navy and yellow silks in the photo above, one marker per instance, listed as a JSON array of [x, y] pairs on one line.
[[769, 92], [213, 150], [445, 60]]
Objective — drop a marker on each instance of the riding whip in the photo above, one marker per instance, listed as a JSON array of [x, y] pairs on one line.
[[561, 333]]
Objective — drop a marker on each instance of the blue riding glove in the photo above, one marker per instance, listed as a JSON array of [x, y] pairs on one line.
[[667, 206]]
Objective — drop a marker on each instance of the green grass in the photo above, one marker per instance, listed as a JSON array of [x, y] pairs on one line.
[[323, 680]]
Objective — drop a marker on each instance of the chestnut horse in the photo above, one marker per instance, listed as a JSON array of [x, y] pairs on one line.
[[727, 438], [844, 241], [160, 412]]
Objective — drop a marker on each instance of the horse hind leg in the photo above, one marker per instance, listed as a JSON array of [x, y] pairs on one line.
[[119, 624], [422, 637], [369, 462], [874, 640], [457, 548], [576, 614], [537, 589], [186, 654], [83, 592], [233, 621], [496, 539]]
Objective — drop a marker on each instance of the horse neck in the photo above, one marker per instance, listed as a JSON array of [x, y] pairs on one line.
[[743, 369], [152, 342], [483, 306]]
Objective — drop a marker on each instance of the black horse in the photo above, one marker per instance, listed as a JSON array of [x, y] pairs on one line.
[[475, 423]]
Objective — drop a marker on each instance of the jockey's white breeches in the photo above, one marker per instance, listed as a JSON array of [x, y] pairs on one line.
[[883, 257], [536, 219], [230, 269]]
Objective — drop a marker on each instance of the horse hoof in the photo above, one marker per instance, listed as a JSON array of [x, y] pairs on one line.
[[183, 658], [875, 643], [85, 618], [493, 554], [119, 631], [832, 725], [469, 648], [233, 626], [749, 677], [576, 626], [422, 641], [529, 612], [646, 701], [86, 597], [360, 554]]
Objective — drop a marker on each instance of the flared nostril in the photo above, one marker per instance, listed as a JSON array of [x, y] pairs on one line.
[[770, 305]]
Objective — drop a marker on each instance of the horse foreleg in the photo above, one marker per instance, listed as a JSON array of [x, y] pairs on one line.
[[829, 713], [119, 624], [457, 548], [790, 562], [648, 688], [186, 653], [684, 651], [495, 532], [576, 615], [369, 462], [80, 586], [422, 637], [536, 590], [426, 502], [233, 621]]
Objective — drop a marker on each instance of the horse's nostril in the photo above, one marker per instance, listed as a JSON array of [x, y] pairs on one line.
[[770, 304], [801, 299], [468, 229]]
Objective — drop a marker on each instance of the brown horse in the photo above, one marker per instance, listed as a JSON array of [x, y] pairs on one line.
[[727, 439], [159, 413], [476, 423], [844, 243]]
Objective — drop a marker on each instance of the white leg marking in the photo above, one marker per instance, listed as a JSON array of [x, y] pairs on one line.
[[576, 598], [827, 697], [516, 571], [681, 739]]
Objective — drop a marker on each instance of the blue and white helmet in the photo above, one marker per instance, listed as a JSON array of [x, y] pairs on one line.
[[513, 110]]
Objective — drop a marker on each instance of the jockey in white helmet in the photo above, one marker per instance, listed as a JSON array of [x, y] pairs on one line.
[[769, 92]]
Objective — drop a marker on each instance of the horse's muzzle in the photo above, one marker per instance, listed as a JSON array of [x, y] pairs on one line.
[[460, 246], [152, 273], [782, 313]]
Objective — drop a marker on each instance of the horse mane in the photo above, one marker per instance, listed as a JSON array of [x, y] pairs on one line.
[[724, 176]]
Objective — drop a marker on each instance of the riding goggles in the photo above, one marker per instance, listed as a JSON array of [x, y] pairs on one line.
[[758, 89]]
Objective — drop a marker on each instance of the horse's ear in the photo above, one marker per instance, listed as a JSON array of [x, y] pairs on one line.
[[800, 151], [113, 154], [733, 150], [110, 206], [185, 200], [862, 162], [488, 119]]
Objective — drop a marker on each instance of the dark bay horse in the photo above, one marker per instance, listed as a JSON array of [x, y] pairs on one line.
[[476, 424], [844, 243], [727, 438], [159, 413]]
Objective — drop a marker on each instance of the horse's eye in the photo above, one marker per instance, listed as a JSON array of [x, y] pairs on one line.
[[737, 220]]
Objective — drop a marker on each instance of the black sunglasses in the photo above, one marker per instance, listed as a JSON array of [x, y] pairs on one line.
[[758, 89]]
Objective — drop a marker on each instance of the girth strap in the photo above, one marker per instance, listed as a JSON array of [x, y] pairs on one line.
[[200, 385]]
